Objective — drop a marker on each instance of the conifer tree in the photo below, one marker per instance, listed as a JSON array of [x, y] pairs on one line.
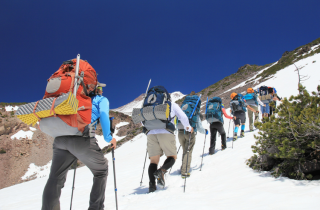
[[288, 143]]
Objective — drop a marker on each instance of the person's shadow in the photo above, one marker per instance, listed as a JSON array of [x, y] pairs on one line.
[[145, 190]]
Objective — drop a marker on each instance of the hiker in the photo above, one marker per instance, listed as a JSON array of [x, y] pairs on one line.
[[67, 149], [160, 135], [253, 101], [265, 95], [238, 109], [214, 115], [275, 98], [190, 105]]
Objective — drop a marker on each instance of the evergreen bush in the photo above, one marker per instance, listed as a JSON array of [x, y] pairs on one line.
[[289, 144]]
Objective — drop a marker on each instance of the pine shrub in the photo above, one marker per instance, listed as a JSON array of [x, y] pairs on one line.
[[289, 144]]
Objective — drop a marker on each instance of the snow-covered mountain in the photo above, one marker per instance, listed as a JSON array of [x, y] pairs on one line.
[[137, 103], [225, 181]]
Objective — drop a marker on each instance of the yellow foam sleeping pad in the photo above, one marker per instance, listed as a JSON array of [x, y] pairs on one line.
[[65, 104]]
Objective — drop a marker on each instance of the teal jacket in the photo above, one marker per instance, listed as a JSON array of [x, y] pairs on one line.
[[100, 109]]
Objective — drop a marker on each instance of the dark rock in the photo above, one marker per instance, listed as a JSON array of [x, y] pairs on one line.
[[310, 166], [267, 161], [285, 53], [304, 49], [244, 67]]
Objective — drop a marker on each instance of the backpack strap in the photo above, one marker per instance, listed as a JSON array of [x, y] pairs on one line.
[[34, 110], [84, 87], [72, 75], [170, 106], [80, 79], [153, 113], [52, 107], [84, 107]]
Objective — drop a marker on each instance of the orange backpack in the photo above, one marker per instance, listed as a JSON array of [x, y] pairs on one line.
[[62, 81], [62, 111]]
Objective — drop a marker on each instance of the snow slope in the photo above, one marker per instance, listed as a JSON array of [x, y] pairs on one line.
[[225, 181], [11, 108], [23, 134], [102, 143]]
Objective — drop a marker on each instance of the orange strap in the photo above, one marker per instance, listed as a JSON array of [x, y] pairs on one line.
[[34, 111], [72, 82], [52, 107]]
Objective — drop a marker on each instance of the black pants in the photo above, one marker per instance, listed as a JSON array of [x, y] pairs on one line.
[[66, 149], [214, 127], [240, 117]]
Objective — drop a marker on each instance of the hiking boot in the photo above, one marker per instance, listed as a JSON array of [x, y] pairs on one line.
[[159, 175], [186, 175], [242, 134], [211, 151], [152, 187], [235, 137]]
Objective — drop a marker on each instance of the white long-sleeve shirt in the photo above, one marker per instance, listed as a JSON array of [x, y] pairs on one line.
[[175, 111]]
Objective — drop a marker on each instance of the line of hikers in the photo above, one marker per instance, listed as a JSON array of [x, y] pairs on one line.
[[160, 128], [73, 105]]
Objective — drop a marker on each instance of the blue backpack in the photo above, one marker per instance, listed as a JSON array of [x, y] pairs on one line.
[[251, 98], [214, 110], [238, 104], [156, 96], [188, 105], [263, 91], [264, 95]]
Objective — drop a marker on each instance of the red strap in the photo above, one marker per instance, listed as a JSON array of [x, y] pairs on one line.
[[52, 107], [34, 111]]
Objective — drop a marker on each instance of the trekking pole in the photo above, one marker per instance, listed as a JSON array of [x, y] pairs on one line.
[[146, 92], [76, 85], [203, 147], [233, 136], [143, 167], [115, 181], [229, 127], [189, 142], [177, 154], [114, 166], [147, 146], [185, 177], [74, 165]]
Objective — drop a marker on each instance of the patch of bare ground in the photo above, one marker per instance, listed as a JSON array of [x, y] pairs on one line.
[[17, 154]]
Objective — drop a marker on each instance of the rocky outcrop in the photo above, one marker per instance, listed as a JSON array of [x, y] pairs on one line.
[[17, 154]]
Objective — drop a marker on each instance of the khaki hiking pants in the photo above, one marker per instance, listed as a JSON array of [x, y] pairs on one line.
[[184, 139], [250, 114]]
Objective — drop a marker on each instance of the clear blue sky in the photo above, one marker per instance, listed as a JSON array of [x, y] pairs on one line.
[[183, 45]]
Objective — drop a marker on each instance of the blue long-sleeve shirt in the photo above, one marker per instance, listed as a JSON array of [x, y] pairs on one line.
[[100, 109]]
